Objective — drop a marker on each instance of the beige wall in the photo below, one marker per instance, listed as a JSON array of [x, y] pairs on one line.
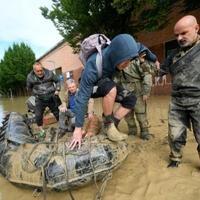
[[64, 58], [62, 55]]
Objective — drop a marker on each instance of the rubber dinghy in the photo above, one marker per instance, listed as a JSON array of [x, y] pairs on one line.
[[25, 161]]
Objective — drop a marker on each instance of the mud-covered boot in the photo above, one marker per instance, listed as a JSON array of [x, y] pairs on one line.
[[115, 135], [111, 130], [173, 164], [145, 135], [132, 131]]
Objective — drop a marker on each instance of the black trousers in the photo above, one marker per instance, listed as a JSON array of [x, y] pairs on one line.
[[126, 98], [40, 105]]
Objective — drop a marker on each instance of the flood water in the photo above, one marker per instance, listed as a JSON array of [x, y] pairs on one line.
[[132, 180], [17, 104]]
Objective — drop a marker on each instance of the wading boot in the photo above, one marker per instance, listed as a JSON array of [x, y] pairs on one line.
[[145, 135], [132, 131], [173, 164], [111, 130], [113, 134]]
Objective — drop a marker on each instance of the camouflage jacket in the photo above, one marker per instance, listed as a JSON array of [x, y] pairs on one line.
[[136, 77], [184, 67]]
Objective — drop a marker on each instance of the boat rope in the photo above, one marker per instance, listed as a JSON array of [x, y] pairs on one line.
[[100, 192], [66, 171], [92, 166], [44, 184], [101, 189], [31, 167], [27, 160], [36, 192]]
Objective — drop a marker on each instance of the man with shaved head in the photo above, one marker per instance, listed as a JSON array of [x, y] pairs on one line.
[[186, 31], [184, 66]]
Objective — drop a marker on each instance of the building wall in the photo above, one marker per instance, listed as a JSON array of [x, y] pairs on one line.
[[64, 58]]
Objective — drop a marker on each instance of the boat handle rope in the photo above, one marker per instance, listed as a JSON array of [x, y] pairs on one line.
[[101, 189], [28, 160], [66, 171], [44, 184]]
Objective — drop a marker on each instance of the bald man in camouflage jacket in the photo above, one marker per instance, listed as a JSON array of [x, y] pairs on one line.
[[137, 77], [183, 64]]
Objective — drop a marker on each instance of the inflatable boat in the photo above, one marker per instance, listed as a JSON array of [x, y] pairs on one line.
[[28, 162]]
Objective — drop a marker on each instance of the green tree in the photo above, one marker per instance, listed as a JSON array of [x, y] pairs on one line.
[[191, 5], [14, 67], [76, 19]]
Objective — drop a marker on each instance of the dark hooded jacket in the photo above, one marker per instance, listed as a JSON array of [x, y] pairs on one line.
[[44, 87], [123, 47]]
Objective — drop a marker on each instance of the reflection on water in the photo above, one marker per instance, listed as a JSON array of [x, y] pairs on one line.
[[17, 104]]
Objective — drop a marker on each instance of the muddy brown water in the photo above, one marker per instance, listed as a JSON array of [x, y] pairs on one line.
[[142, 176], [15, 104]]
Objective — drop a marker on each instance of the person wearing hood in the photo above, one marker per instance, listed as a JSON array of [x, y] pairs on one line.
[[116, 56]]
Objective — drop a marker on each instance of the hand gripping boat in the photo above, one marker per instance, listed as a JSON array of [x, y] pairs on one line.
[[25, 161]]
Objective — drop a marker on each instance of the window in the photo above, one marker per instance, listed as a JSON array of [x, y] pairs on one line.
[[69, 75], [58, 71]]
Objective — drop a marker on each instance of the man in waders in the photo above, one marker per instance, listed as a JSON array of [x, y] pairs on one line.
[[184, 66]]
